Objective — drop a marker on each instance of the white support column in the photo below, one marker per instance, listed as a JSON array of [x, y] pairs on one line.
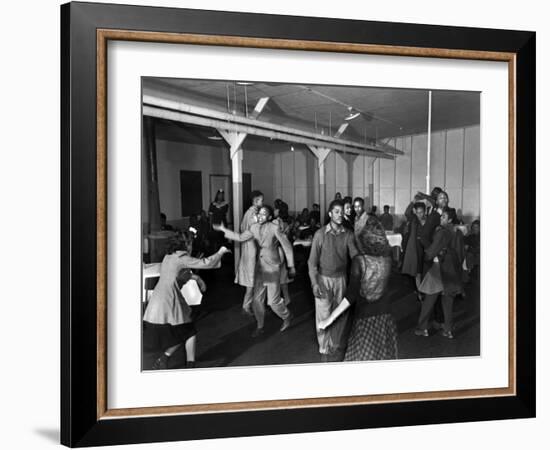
[[321, 153], [235, 140], [350, 161], [429, 150]]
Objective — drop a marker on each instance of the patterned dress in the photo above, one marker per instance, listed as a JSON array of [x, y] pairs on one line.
[[374, 333]]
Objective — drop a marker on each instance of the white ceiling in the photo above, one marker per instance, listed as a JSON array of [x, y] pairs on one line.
[[387, 112]]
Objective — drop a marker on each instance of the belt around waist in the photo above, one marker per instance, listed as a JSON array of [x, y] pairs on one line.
[[332, 274]]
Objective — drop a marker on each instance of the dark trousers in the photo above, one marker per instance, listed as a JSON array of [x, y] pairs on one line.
[[428, 307]]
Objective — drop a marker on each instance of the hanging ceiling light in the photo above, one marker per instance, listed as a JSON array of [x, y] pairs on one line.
[[245, 83], [351, 115]]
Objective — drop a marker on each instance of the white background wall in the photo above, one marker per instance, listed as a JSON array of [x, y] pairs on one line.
[[175, 156], [454, 167], [293, 175], [172, 157], [29, 334]]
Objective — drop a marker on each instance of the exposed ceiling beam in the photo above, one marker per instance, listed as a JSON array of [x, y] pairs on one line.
[[255, 130], [155, 101]]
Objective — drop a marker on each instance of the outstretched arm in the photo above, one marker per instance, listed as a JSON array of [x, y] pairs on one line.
[[232, 236], [212, 262], [427, 197], [409, 211]]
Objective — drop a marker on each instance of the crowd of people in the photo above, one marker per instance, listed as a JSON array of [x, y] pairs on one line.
[[349, 263]]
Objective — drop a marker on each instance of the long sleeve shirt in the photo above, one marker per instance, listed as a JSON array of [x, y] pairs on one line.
[[330, 252], [268, 238]]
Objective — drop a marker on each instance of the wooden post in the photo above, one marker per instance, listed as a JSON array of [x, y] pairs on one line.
[[152, 174], [321, 154], [235, 140]]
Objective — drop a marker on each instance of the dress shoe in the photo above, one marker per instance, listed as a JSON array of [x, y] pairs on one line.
[[286, 323], [161, 363], [257, 332], [419, 332], [447, 334]]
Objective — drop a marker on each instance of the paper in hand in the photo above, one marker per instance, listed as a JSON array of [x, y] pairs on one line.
[[191, 293]]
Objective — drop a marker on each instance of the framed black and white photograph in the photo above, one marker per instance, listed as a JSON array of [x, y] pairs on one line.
[[280, 224], [324, 159]]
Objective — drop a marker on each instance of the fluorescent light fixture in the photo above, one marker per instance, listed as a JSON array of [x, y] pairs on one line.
[[352, 116]]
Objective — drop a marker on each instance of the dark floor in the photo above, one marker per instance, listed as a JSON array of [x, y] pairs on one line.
[[224, 333]]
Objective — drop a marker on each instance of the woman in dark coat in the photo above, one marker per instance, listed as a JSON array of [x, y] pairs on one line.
[[442, 275], [217, 213], [414, 252], [373, 334]]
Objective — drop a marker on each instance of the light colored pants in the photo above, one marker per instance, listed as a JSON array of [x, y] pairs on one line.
[[274, 300], [330, 339], [248, 298]]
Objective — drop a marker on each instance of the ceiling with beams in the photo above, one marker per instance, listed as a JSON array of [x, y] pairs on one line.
[[383, 112]]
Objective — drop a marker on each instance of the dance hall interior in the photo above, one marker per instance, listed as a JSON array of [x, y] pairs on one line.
[[246, 185]]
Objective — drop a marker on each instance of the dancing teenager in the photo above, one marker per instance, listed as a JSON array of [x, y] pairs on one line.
[[443, 276], [167, 323], [373, 334], [267, 277], [332, 247], [247, 260]]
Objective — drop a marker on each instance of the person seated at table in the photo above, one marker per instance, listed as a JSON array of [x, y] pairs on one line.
[[293, 231], [386, 219], [442, 277], [315, 213], [473, 249], [281, 206], [167, 323], [304, 217], [373, 334], [163, 225], [307, 232]]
